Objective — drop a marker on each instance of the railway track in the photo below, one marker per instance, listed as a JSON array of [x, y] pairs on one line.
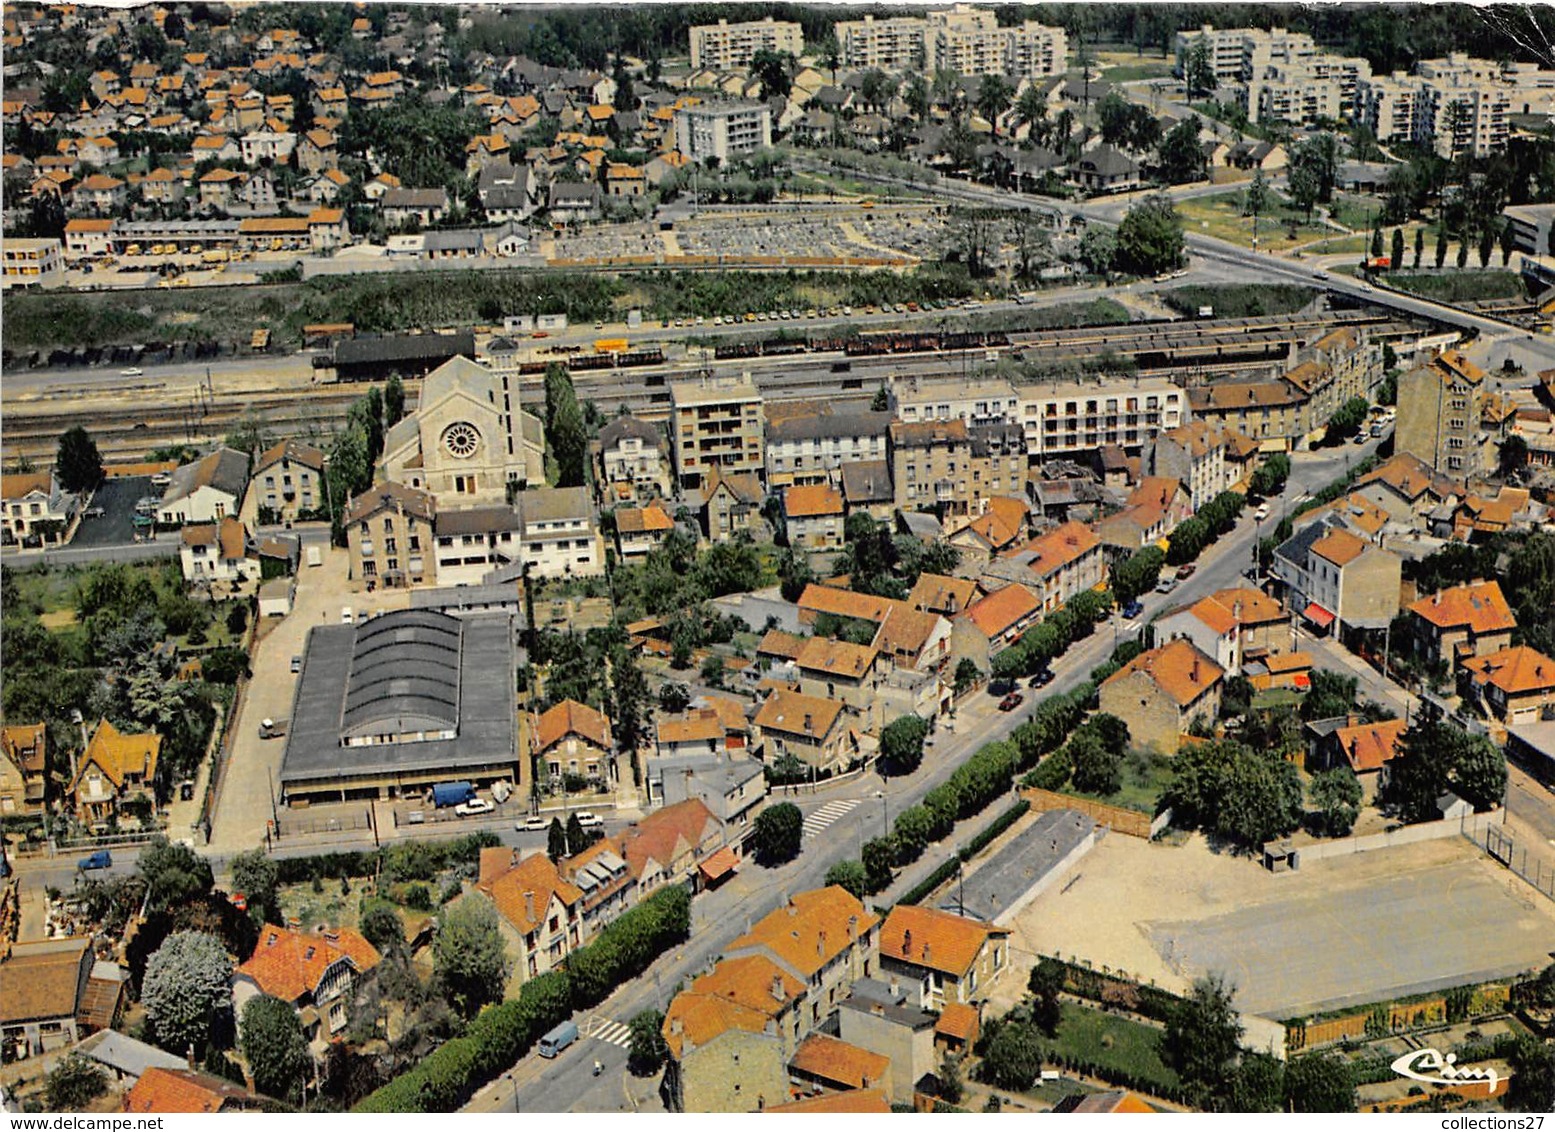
[[1204, 349]]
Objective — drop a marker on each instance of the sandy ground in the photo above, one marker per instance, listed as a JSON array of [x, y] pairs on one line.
[[1155, 911]]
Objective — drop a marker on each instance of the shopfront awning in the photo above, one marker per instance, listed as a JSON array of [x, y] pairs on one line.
[[720, 864], [1319, 616]]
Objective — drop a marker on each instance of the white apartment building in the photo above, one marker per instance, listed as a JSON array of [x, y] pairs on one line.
[[1071, 418], [1459, 104], [268, 145], [1323, 87], [716, 425], [722, 130], [33, 263], [1224, 46], [1238, 54], [724, 46], [894, 43], [558, 533], [969, 41], [811, 448], [1387, 104], [975, 402]]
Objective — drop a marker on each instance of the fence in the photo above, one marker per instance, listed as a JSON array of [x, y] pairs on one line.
[[1534, 862], [1470, 826], [1131, 822]]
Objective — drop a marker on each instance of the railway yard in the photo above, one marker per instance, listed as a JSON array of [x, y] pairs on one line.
[[133, 412]]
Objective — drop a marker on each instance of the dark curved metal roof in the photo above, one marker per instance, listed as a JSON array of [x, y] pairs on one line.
[[404, 675]]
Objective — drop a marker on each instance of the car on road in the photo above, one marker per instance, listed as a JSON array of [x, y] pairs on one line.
[[94, 512], [534, 824], [1262, 513], [102, 859], [1011, 701], [296, 664], [1166, 585], [588, 820], [1185, 571], [1041, 679], [474, 806], [1133, 609], [133, 371]]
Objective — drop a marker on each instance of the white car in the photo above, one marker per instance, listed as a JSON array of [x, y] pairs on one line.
[[346, 617], [133, 371], [1262, 513], [473, 806], [588, 820], [533, 825]]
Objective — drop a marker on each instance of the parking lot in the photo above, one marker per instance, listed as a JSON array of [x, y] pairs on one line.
[[116, 525]]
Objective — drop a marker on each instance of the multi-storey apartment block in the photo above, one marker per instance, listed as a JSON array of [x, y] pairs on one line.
[[716, 425], [724, 46]]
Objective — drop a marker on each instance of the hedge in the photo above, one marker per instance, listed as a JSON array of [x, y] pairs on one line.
[[402, 861], [501, 1034]]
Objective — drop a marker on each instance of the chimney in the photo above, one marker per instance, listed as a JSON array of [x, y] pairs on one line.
[[809, 721], [896, 987], [1195, 668], [852, 929], [777, 987], [820, 942], [529, 906], [332, 935], [677, 1026], [925, 952], [907, 942]]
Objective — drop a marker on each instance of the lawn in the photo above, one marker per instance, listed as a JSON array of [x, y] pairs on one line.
[[1135, 70], [1110, 1042], [1221, 216], [1462, 286], [1145, 777], [1239, 300]]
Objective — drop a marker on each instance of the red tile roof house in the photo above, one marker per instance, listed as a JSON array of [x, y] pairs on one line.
[[317, 973], [1161, 692], [1514, 686], [1462, 622]]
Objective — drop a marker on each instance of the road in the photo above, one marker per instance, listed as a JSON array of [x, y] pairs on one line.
[[568, 1083]]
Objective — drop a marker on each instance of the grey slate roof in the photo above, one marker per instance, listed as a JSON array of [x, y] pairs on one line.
[[125, 1055], [476, 521], [395, 670], [867, 481], [821, 426], [551, 504], [405, 347], [225, 469], [623, 427]]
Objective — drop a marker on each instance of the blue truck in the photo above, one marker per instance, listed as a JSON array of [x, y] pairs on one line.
[[452, 794], [102, 859]]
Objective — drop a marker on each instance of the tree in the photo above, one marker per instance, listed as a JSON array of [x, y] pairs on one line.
[[1462, 259], [648, 1050], [950, 1087], [73, 1083], [1259, 1084], [1269, 478], [258, 878], [1199, 69], [274, 1046], [1331, 694], [629, 702], [1435, 757], [713, 672], [674, 697], [175, 875], [881, 401], [468, 956], [1046, 984], [1202, 1038], [1513, 455], [916, 96], [1441, 247], [577, 837], [1302, 184], [1397, 249], [1347, 419], [556, 840], [1376, 243], [1179, 154], [849, 875], [912, 831], [1419, 247], [187, 987], [77, 463], [772, 69], [393, 401], [1138, 574], [1256, 199], [1319, 1083], [777, 833], [1337, 795], [1487, 245], [1097, 770], [901, 744], [994, 95], [1098, 249], [1532, 1088], [1013, 1059], [380, 926], [967, 675], [1150, 239], [879, 855]]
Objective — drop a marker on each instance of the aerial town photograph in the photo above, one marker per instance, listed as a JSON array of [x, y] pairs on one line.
[[777, 557]]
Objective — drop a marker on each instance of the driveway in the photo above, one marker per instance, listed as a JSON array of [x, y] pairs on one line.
[[117, 498]]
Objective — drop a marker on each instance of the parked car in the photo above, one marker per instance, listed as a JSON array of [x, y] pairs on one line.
[[534, 824], [1185, 571], [1041, 679], [94, 512], [1262, 513], [1011, 701], [346, 616], [133, 371], [589, 821], [272, 728], [102, 859], [296, 664], [474, 806], [1133, 609], [1166, 585], [416, 817]]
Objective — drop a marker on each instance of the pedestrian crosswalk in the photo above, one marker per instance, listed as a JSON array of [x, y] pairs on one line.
[[817, 822], [609, 1030]]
